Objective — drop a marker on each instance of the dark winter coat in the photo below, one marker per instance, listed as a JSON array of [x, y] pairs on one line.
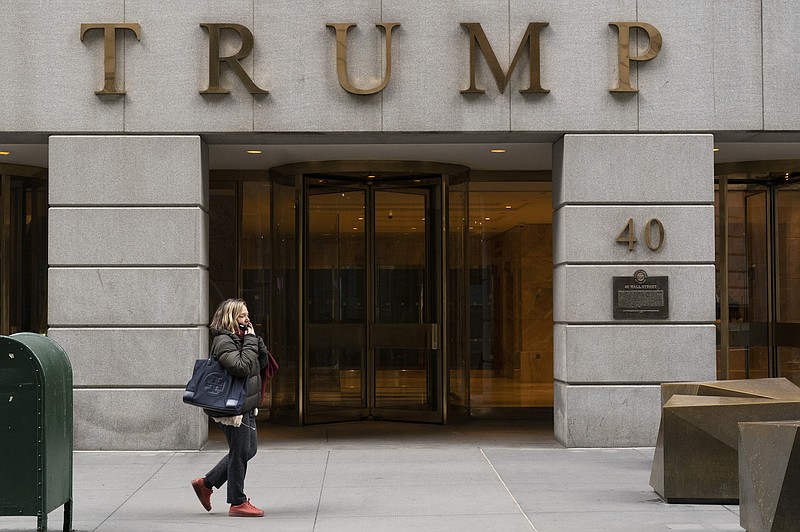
[[242, 357]]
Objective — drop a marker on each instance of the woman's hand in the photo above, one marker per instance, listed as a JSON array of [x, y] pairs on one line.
[[250, 329]]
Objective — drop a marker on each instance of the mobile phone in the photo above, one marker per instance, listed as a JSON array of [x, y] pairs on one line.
[[243, 326]]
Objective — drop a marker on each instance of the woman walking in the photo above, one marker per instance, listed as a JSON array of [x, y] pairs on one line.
[[244, 354]]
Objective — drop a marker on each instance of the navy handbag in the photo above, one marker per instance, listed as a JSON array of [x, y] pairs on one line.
[[213, 388]]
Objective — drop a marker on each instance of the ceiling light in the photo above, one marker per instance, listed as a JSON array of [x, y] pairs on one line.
[[487, 218], [5, 153], [508, 206], [370, 177], [497, 151], [716, 149], [254, 152]]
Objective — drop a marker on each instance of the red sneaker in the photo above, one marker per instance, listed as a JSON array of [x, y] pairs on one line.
[[245, 510], [203, 493]]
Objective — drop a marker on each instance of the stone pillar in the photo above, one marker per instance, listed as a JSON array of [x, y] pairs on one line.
[[608, 371], [128, 284]]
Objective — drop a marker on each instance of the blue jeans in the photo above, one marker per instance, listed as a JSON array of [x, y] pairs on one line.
[[242, 446]]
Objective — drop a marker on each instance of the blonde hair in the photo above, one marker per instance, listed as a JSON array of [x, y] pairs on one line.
[[226, 314]]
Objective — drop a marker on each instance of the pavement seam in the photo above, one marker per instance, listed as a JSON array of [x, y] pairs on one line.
[[321, 487], [135, 491], [507, 490]]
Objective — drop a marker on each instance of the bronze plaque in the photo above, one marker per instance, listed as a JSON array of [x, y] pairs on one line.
[[641, 297]]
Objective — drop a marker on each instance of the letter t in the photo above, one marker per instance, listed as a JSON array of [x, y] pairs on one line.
[[110, 51]]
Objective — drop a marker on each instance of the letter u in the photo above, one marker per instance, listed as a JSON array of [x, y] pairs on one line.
[[341, 56]]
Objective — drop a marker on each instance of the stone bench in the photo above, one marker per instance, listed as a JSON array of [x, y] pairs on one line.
[[696, 458]]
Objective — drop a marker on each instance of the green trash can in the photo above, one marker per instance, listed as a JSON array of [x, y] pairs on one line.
[[35, 428]]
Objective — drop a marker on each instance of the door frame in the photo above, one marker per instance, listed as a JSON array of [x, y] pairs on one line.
[[767, 177], [371, 333], [294, 175]]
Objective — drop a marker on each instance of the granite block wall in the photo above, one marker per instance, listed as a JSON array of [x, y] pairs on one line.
[[607, 368], [128, 284]]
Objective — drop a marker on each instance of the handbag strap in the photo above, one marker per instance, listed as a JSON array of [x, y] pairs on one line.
[[211, 346], [217, 338]]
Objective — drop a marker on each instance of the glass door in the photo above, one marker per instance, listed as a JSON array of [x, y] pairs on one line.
[[404, 328], [759, 279], [369, 284], [749, 309], [336, 304], [372, 322]]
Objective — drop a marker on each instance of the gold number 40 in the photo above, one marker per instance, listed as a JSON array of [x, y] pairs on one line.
[[627, 236]]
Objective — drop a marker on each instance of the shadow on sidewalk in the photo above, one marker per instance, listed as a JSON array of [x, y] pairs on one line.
[[474, 433]]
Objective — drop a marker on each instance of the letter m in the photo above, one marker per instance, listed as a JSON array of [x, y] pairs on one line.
[[478, 40]]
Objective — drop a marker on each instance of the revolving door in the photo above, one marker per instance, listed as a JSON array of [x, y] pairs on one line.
[[370, 292]]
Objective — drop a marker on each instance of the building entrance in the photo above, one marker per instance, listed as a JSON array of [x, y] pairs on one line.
[[23, 249], [381, 277], [758, 221]]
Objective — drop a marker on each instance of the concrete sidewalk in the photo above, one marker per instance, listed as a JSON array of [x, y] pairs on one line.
[[376, 476]]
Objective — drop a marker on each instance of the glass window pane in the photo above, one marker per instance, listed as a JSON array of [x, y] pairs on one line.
[[223, 259], [336, 302], [256, 252], [457, 307], [23, 261], [511, 302], [284, 340], [788, 283]]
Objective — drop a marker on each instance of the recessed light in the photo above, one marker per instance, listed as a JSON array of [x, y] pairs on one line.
[[508, 206], [254, 152], [716, 149], [370, 177], [5, 153], [497, 151], [487, 218]]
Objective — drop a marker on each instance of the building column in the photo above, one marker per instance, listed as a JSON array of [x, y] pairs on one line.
[[607, 191], [128, 284]]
